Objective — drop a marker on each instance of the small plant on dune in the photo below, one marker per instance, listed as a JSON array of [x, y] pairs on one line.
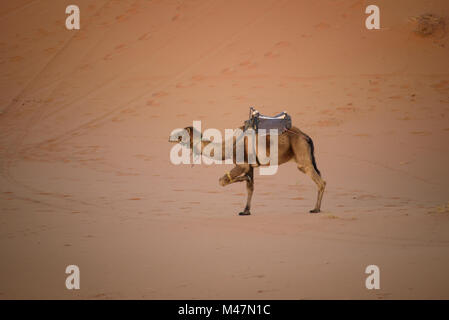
[[429, 24]]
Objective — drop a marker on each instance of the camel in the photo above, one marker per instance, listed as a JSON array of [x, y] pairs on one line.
[[293, 145]]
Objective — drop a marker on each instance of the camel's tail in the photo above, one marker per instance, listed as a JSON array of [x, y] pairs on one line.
[[312, 153]]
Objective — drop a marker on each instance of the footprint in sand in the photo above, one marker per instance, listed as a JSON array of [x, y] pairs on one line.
[[120, 47], [50, 50], [145, 36], [331, 217], [85, 67], [253, 65], [108, 56], [128, 110], [271, 54], [116, 119], [153, 103], [282, 44], [346, 109], [160, 94], [229, 70], [121, 18], [391, 205], [322, 26]]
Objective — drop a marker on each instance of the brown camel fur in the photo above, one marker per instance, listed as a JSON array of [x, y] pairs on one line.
[[293, 145]]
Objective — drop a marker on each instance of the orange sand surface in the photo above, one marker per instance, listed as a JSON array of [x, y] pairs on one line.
[[85, 175]]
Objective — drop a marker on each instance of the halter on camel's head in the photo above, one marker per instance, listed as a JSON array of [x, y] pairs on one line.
[[186, 137]]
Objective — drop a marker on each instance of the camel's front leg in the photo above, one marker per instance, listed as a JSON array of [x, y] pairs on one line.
[[250, 190], [235, 175]]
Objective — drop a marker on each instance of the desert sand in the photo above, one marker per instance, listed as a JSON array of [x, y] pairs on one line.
[[85, 176]]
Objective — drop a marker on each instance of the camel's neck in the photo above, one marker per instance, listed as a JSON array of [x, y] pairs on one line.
[[214, 146]]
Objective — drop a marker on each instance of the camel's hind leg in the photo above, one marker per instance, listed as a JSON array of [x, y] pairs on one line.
[[304, 156], [321, 184]]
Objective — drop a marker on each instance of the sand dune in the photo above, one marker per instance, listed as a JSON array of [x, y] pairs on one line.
[[85, 176]]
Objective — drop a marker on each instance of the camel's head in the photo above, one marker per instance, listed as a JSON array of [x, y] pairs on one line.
[[184, 136], [181, 135]]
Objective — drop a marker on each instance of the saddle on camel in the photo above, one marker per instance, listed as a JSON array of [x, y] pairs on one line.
[[282, 122]]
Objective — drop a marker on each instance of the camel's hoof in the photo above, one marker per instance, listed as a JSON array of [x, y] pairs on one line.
[[314, 211], [245, 213]]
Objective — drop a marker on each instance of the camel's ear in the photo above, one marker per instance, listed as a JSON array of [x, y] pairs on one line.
[[189, 130]]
